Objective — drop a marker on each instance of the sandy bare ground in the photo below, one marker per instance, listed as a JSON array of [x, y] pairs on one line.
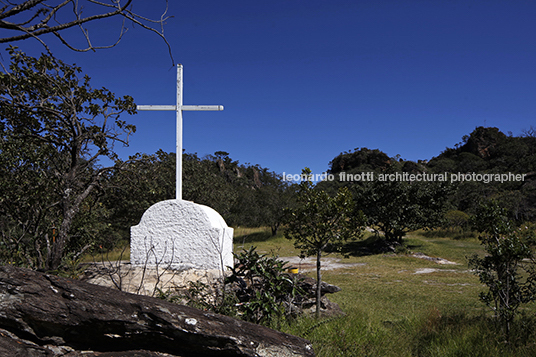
[[309, 263], [331, 263], [150, 280]]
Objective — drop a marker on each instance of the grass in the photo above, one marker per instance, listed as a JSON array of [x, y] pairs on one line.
[[392, 310], [262, 238]]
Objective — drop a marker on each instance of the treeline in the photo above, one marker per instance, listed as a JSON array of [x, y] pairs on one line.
[[244, 194], [250, 195], [489, 151]]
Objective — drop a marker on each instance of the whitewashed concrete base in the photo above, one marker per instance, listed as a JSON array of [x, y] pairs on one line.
[[181, 235]]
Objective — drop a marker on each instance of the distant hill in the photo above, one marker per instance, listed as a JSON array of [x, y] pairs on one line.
[[359, 160], [489, 150], [484, 151]]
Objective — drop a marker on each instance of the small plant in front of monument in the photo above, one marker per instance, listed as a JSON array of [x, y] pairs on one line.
[[265, 291], [258, 290]]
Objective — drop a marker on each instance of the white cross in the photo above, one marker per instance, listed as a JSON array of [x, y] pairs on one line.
[[178, 109]]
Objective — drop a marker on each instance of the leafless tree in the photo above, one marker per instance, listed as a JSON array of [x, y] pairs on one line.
[[529, 133], [34, 18]]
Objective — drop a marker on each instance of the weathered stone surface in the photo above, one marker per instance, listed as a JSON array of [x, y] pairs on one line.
[[47, 310], [181, 235], [13, 346], [10, 345], [144, 280]]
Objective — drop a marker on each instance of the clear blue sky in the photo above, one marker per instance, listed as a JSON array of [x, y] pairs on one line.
[[302, 81]]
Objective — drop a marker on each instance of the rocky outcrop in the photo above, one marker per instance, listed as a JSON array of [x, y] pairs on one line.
[[483, 140], [308, 304], [45, 315]]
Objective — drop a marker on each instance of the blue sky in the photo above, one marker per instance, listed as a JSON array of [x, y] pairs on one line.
[[303, 81]]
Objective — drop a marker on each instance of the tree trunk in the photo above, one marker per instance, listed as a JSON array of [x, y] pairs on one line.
[[69, 212], [58, 247], [275, 228], [318, 283]]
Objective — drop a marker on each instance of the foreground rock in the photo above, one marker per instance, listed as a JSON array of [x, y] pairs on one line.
[[46, 315]]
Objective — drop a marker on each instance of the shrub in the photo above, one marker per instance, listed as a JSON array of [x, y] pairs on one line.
[[257, 290], [507, 269]]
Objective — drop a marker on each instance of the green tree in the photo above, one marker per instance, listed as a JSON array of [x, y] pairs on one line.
[[62, 127], [489, 151], [455, 219], [501, 269], [262, 199], [205, 184], [319, 221], [148, 179], [27, 212], [243, 195], [362, 159], [144, 181], [273, 197], [397, 207]]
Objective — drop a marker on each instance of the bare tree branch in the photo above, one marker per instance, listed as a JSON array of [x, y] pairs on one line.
[[34, 18], [19, 8]]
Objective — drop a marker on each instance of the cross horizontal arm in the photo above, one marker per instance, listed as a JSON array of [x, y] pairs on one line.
[[184, 107], [202, 107], [157, 107]]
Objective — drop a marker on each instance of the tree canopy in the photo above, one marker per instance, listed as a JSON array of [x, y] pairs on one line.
[[54, 128], [245, 195], [488, 150]]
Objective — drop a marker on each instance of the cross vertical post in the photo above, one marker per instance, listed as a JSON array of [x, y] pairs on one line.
[[178, 173], [178, 108]]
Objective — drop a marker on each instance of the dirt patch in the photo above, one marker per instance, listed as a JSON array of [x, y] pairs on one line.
[[309, 263], [432, 259], [431, 270]]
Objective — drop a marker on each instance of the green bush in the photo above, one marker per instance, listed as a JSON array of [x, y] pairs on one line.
[[258, 290], [507, 269]]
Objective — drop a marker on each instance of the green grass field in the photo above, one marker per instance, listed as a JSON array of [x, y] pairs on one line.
[[399, 305]]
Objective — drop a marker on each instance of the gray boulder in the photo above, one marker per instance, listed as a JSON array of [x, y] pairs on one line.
[[46, 315]]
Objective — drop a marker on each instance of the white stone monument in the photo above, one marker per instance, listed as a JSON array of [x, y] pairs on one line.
[[181, 235], [177, 233]]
